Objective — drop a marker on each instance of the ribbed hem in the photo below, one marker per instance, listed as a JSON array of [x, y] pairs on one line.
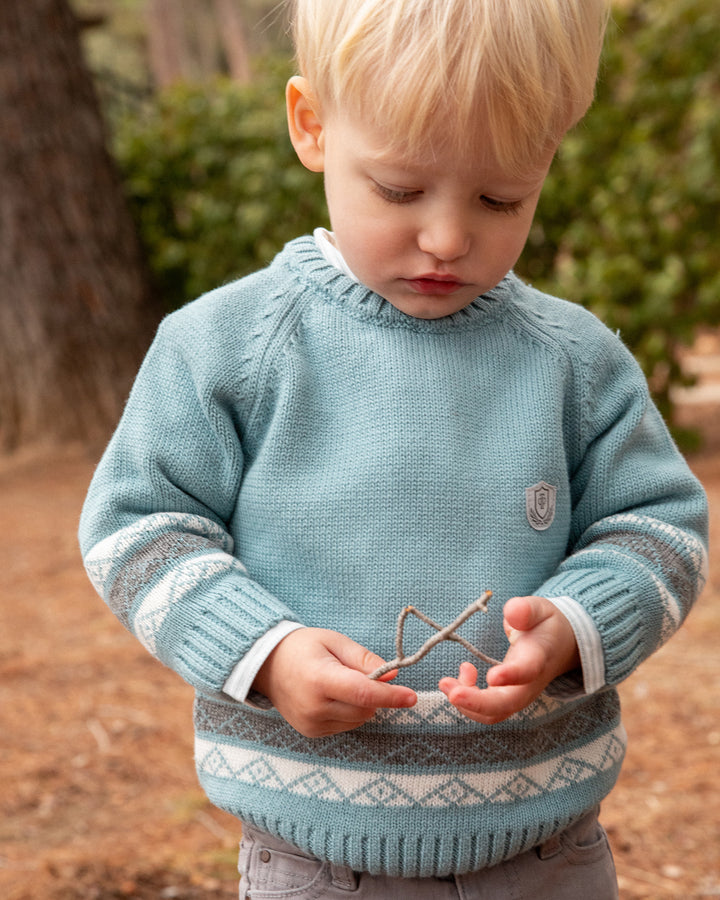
[[416, 843]]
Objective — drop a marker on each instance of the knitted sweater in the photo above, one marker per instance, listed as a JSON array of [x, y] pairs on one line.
[[295, 448]]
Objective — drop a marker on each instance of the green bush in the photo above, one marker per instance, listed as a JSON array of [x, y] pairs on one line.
[[628, 221], [213, 182]]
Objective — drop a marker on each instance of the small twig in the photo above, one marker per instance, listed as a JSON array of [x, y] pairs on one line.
[[446, 633], [101, 736]]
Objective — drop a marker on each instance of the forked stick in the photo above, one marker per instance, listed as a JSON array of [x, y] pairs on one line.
[[443, 634]]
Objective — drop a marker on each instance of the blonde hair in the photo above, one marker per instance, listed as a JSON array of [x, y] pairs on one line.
[[512, 73]]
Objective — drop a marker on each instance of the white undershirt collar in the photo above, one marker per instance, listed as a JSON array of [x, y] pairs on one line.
[[326, 245]]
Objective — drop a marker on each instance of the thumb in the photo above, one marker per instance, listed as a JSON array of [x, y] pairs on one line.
[[524, 613]]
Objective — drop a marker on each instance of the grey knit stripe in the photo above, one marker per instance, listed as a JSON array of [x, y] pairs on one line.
[[423, 747], [148, 547], [156, 558]]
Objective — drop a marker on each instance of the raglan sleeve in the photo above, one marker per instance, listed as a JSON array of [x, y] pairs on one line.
[[154, 530], [637, 555]]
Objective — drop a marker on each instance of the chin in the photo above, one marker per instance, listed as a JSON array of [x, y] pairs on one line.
[[429, 308]]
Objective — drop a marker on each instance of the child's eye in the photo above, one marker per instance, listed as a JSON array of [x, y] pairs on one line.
[[395, 195], [503, 206]]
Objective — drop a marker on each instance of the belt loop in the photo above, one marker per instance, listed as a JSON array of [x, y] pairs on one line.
[[343, 877], [550, 848], [247, 842]]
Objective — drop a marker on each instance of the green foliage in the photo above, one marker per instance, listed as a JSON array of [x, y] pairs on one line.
[[628, 221], [214, 184]]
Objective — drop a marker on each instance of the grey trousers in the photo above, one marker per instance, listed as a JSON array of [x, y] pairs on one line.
[[575, 864]]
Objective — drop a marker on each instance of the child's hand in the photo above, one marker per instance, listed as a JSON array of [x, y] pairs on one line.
[[317, 680], [542, 647]]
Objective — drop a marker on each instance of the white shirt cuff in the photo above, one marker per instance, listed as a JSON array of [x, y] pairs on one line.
[[592, 660], [240, 680]]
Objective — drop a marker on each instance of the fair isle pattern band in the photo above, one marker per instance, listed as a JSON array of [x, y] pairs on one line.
[[187, 576], [678, 555], [675, 561], [411, 741], [165, 556], [104, 556], [340, 784]]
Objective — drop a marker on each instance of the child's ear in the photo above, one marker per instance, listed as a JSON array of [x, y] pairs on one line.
[[306, 129]]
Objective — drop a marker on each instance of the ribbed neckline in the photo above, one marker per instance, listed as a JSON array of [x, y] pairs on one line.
[[303, 256]]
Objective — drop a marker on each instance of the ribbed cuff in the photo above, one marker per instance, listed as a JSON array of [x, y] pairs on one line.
[[233, 618], [613, 604]]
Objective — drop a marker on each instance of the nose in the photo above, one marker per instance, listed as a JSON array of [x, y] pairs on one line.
[[445, 237]]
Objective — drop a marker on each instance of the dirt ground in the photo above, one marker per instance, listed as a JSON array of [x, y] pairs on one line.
[[98, 796]]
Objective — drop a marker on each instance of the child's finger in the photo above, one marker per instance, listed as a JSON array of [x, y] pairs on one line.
[[354, 688], [523, 663], [487, 706], [468, 674]]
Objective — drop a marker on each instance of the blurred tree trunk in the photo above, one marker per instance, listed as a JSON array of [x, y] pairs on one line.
[[193, 40], [76, 310], [167, 45], [234, 41]]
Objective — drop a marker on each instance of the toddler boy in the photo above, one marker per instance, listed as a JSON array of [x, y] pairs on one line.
[[388, 415]]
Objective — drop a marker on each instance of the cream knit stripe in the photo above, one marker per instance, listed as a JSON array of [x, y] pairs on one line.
[[433, 710], [186, 577], [342, 784]]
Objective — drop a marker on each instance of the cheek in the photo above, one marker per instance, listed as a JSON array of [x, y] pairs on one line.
[[510, 240], [365, 243]]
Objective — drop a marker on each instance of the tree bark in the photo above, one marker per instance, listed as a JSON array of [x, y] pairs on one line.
[[76, 309], [168, 53], [193, 40], [234, 40]]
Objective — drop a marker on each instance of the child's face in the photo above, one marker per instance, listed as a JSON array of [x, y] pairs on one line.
[[429, 234]]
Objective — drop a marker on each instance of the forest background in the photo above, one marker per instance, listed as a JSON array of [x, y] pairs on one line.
[[143, 160], [201, 186]]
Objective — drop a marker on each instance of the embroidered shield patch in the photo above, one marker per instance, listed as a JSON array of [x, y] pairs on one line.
[[540, 505]]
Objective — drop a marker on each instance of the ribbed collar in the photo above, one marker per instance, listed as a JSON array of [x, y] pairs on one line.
[[303, 256]]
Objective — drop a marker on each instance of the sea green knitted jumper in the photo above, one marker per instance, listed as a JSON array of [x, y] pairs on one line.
[[296, 448]]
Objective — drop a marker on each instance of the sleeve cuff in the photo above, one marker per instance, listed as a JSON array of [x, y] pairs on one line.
[[592, 660], [240, 680]]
